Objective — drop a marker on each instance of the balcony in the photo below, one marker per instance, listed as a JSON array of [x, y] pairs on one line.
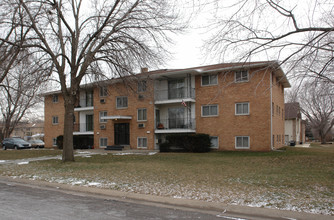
[[85, 104], [174, 95], [176, 125], [83, 128]]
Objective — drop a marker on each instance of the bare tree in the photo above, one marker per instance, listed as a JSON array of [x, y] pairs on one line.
[[12, 34], [19, 94], [299, 34], [80, 38], [317, 104]]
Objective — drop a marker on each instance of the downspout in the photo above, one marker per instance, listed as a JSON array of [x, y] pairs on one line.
[[271, 111]]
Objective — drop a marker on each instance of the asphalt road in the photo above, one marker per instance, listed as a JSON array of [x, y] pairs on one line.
[[25, 202]]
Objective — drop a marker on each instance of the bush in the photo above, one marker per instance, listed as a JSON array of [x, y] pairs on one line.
[[60, 141], [187, 142], [165, 147]]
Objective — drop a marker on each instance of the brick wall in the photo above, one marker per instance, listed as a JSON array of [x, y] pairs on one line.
[[227, 125], [278, 116], [53, 109]]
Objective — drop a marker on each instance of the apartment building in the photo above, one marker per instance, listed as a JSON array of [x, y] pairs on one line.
[[240, 105], [294, 125]]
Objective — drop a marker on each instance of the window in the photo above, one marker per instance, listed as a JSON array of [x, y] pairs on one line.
[[103, 91], [102, 114], [55, 98], [214, 142], [103, 142], [142, 86], [142, 142], [54, 120], [141, 114], [242, 142], [241, 76], [242, 108], [122, 102], [208, 80], [209, 110], [54, 141], [273, 140]]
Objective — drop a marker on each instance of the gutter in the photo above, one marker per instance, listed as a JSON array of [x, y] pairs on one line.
[[271, 112]]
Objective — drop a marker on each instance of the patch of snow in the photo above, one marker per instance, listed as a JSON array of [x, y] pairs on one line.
[[94, 184], [23, 163], [3, 161], [77, 182], [152, 153], [229, 217]]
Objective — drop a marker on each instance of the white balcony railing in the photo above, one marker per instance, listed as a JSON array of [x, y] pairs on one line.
[[179, 93], [176, 123]]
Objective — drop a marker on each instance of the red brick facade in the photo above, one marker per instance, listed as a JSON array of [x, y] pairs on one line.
[[245, 114]]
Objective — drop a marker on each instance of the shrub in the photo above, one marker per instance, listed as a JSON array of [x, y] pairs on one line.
[[189, 142], [165, 147], [60, 141]]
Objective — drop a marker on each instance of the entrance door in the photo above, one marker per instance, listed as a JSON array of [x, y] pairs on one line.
[[122, 134]]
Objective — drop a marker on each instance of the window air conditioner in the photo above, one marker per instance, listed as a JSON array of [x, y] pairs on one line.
[[141, 125], [102, 101], [102, 127]]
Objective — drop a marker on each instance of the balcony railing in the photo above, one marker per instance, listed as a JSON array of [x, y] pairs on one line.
[[83, 127], [170, 94], [176, 123], [86, 102]]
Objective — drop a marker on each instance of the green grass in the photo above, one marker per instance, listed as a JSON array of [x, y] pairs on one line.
[[28, 153], [298, 175]]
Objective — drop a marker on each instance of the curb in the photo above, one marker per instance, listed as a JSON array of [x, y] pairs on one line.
[[200, 206]]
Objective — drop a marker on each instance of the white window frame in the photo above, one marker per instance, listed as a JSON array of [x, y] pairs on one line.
[[241, 78], [210, 115], [55, 98], [103, 91], [210, 83], [122, 97], [242, 147], [142, 86], [242, 103], [138, 140], [54, 142], [55, 120], [142, 109], [102, 114], [102, 139], [214, 147]]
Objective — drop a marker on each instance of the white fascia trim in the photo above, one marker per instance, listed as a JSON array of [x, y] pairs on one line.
[[112, 117]]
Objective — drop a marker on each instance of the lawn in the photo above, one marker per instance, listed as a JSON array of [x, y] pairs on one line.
[[27, 153], [292, 179]]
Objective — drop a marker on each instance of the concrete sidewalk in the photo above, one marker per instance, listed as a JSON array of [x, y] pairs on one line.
[[303, 145], [206, 207]]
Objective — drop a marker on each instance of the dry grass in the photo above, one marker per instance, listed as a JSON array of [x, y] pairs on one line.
[[295, 178], [28, 153]]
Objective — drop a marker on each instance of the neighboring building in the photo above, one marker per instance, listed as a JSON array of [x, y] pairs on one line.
[[240, 105], [294, 125], [24, 129]]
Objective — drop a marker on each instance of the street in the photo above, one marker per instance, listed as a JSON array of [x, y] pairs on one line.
[[24, 202], [27, 200]]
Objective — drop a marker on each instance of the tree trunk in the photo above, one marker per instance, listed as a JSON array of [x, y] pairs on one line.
[[322, 137], [68, 154]]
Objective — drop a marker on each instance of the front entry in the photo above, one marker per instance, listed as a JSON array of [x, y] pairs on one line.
[[122, 133]]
